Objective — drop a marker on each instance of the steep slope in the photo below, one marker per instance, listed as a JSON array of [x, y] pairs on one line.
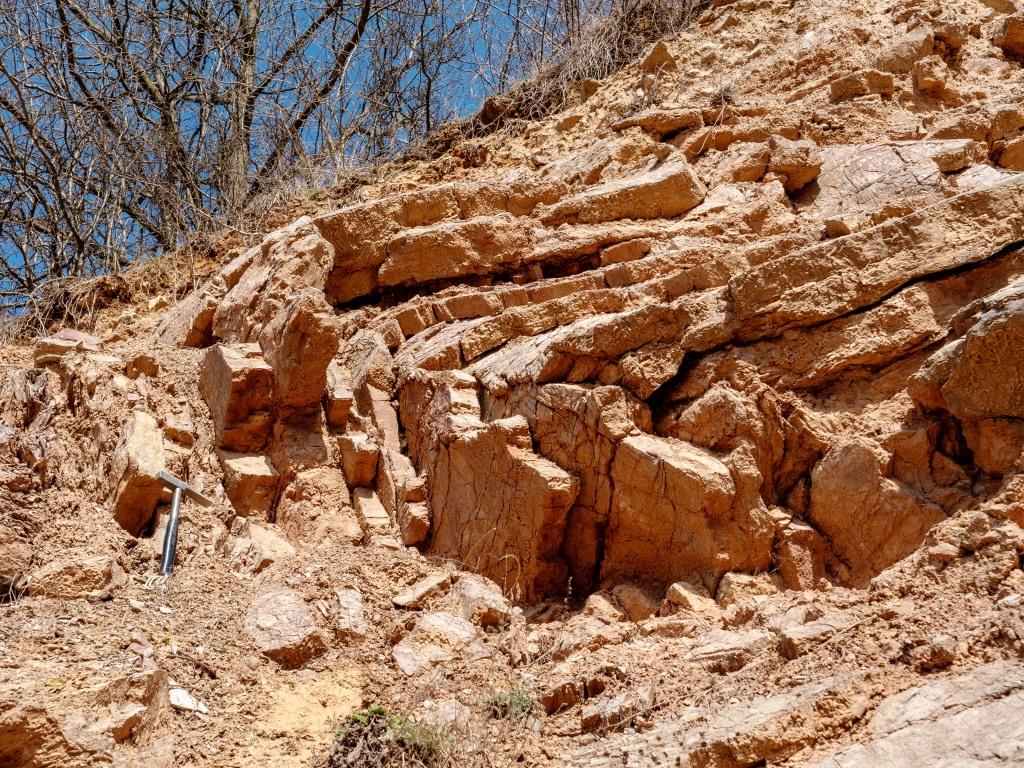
[[695, 411]]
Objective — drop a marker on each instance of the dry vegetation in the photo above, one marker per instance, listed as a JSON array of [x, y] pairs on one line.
[[124, 264]]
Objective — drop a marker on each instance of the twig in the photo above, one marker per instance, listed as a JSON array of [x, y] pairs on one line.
[[206, 668]]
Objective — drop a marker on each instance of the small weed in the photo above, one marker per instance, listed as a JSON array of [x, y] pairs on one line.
[[514, 704], [725, 94], [377, 737]]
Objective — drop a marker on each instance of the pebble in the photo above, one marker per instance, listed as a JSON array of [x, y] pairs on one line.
[[185, 701], [1010, 601]]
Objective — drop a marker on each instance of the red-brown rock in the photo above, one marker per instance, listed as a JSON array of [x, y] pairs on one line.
[[238, 387], [283, 628], [138, 458]]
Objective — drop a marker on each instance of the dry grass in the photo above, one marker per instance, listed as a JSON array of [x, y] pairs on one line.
[[76, 301], [376, 738], [606, 45], [514, 704], [724, 95]]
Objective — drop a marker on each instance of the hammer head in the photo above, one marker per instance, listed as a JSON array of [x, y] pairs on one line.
[[187, 490]]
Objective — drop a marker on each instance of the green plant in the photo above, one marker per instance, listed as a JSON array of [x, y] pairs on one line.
[[512, 704], [376, 737]]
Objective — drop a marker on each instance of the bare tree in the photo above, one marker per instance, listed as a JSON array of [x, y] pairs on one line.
[[126, 125]]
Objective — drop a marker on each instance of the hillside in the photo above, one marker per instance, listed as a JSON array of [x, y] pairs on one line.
[[683, 427]]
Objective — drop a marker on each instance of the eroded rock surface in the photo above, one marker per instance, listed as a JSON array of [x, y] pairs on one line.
[[692, 414]]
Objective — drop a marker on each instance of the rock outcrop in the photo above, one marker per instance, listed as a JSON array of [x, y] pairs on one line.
[[138, 458], [633, 415], [683, 426]]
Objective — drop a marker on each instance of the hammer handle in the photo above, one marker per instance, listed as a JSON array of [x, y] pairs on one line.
[[171, 534]]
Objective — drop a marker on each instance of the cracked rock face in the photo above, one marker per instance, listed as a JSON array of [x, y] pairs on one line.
[[717, 392], [633, 392]]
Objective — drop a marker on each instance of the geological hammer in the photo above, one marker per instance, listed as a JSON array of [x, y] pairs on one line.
[[178, 488]]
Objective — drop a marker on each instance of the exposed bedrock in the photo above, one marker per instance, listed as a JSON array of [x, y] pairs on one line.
[[580, 377]]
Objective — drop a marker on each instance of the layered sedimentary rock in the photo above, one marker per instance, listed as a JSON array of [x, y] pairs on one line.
[[654, 356], [525, 446], [715, 375]]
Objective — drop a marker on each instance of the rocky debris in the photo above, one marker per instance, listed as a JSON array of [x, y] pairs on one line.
[[629, 709], [180, 428], [930, 76], [51, 349], [480, 601], [250, 482], [266, 548], [658, 58], [899, 56], [737, 588], [723, 651], [141, 647], [283, 628], [359, 457], [693, 598], [129, 708], [419, 593], [798, 163], [944, 552], [15, 561], [448, 715], [603, 606], [767, 728], [801, 554], [637, 601], [862, 84], [436, 638], [969, 719], [938, 653], [561, 696], [88, 577], [1010, 37], [238, 387], [142, 365], [750, 163], [351, 620], [184, 701], [798, 640], [138, 458]]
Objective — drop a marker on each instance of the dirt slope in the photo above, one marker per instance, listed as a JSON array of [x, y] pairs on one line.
[[686, 425]]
